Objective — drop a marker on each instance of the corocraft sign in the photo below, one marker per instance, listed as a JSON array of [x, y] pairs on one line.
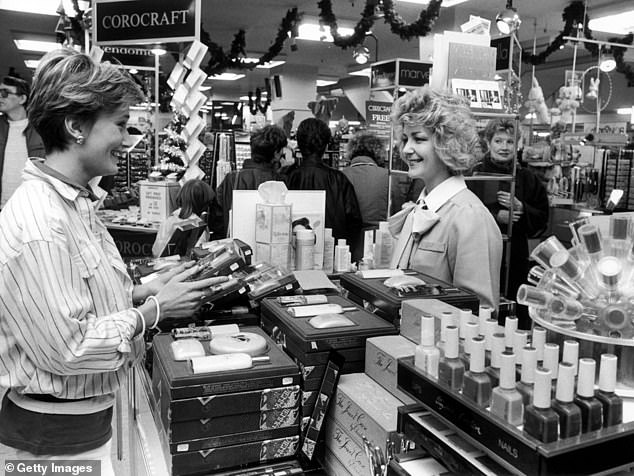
[[145, 21]]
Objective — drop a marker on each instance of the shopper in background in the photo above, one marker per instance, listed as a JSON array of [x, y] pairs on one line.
[[368, 176], [193, 201], [18, 140], [342, 209], [68, 329], [267, 148], [530, 204], [448, 234]]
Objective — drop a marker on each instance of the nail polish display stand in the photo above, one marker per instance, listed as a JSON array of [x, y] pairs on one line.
[[596, 452]]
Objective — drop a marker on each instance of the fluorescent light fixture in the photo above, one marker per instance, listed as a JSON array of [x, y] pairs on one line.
[[316, 32], [158, 51], [36, 45], [543, 134], [619, 24], [204, 88], [270, 64], [324, 82], [31, 63], [39, 7], [244, 98], [625, 111], [445, 3], [362, 72], [226, 77]]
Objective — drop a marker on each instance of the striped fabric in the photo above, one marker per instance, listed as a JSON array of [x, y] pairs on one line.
[[65, 296]]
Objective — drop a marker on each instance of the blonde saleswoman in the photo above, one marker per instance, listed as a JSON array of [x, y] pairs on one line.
[[448, 233]]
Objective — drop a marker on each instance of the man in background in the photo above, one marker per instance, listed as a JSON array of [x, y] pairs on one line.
[[18, 140]]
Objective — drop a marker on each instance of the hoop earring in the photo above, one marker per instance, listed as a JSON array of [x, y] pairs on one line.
[[80, 139]]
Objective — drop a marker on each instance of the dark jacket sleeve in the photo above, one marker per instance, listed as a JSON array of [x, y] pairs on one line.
[[353, 219], [536, 206], [220, 206]]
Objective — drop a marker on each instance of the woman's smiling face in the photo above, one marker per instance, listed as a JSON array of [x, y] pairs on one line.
[[502, 147], [421, 157]]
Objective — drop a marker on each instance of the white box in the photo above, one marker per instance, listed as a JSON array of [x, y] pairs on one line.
[[273, 223], [158, 199], [413, 309], [363, 408], [381, 355], [346, 449], [274, 253]]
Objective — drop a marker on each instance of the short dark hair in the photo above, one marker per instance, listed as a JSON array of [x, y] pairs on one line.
[[498, 125], [366, 144], [313, 137], [194, 197], [266, 142], [21, 86]]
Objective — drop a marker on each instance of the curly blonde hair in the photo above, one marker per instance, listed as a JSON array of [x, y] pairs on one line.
[[447, 117]]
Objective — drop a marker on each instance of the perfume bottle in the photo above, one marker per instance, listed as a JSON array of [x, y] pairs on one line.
[[591, 408], [545, 250], [493, 369], [620, 243], [538, 340], [590, 239], [477, 383], [609, 270], [520, 340], [569, 413], [540, 420], [571, 354], [534, 297], [571, 269], [510, 326], [526, 384], [506, 401], [548, 280], [427, 355], [612, 403], [451, 368]]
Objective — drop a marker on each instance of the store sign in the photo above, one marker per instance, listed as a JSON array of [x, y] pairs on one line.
[[377, 118], [145, 21], [413, 73], [502, 52], [383, 75], [129, 56]]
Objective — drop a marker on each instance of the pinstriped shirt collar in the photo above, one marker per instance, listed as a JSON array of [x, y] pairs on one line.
[[443, 192], [63, 185]]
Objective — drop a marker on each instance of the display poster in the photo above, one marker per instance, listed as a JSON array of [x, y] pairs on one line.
[[471, 61], [307, 204], [377, 118], [481, 94], [413, 74], [502, 52], [383, 75], [127, 22]]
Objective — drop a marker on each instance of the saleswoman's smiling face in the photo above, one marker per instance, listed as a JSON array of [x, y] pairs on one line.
[[419, 154]]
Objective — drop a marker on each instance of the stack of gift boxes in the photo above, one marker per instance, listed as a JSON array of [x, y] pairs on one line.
[[273, 233]]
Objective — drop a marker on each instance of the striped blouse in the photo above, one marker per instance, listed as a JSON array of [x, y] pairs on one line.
[[65, 295]]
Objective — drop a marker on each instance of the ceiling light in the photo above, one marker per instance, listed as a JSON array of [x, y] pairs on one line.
[[324, 82], [244, 98], [445, 3], [158, 51], [31, 63], [361, 54], [607, 64], [508, 20], [36, 45], [270, 64], [619, 24], [204, 88], [362, 72], [625, 111], [314, 32], [227, 77]]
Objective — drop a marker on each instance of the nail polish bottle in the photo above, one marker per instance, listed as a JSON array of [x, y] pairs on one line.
[[526, 385], [451, 368], [591, 408], [612, 403], [427, 355], [447, 319], [569, 413], [571, 354], [484, 313], [477, 383], [520, 340], [506, 401], [493, 369], [540, 420], [464, 317], [471, 331], [490, 327], [538, 340], [551, 360], [510, 326]]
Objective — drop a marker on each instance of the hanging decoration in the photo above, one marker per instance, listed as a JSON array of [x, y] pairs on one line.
[[70, 28], [622, 66], [220, 61], [361, 29], [420, 27], [256, 104]]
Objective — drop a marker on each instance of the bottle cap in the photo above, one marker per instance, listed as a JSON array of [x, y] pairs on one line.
[[446, 320], [510, 326], [471, 331], [539, 339], [541, 392], [487, 329], [476, 359], [585, 383], [465, 318], [609, 270], [619, 227], [520, 340], [565, 383], [507, 370], [496, 351], [452, 342], [590, 237], [607, 372], [341, 242], [484, 313], [564, 262], [308, 235], [529, 363], [571, 353], [427, 335], [551, 358]]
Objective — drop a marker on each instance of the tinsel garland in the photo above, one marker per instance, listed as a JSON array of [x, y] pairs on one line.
[[622, 66], [361, 29], [220, 61], [420, 27]]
